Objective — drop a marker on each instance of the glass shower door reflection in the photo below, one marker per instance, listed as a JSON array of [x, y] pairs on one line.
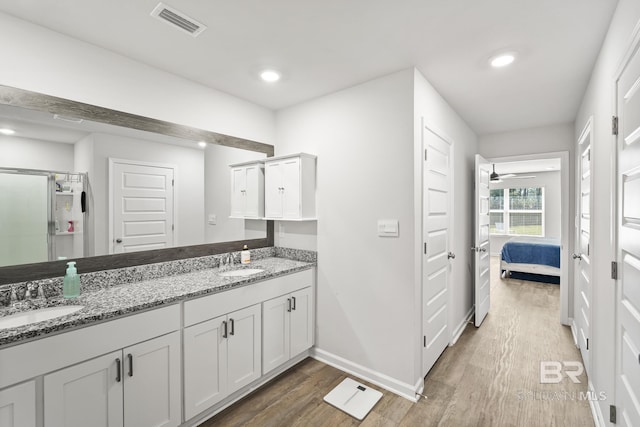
[[24, 218]]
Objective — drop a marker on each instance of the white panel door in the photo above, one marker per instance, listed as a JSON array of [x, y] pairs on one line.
[[482, 254], [244, 350], [142, 213], [628, 241], [273, 194], [301, 321], [582, 257], [435, 259], [291, 188], [205, 366], [275, 337], [152, 396], [87, 394], [18, 406]]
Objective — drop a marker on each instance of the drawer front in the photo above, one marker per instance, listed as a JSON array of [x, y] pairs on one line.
[[205, 308]]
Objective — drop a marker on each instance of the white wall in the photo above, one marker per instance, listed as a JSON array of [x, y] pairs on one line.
[[189, 185], [364, 137], [26, 153], [217, 187], [552, 204], [598, 102], [51, 63]]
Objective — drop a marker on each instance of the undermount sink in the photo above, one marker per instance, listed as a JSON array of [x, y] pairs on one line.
[[40, 315], [241, 272]]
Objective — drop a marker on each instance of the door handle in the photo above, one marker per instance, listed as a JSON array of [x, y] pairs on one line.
[[451, 255], [475, 249], [233, 327], [118, 240], [289, 305], [224, 326], [294, 303], [130, 357], [577, 256], [118, 368]]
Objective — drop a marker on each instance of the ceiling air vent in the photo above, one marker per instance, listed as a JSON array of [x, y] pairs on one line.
[[178, 19]]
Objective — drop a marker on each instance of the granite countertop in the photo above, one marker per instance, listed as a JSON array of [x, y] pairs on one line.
[[115, 301]]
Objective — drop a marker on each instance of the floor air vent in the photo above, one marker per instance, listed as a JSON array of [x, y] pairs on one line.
[[178, 19]]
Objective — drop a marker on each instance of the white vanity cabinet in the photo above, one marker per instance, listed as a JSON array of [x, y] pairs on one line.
[[290, 187], [221, 356], [18, 405], [287, 326], [138, 386], [247, 190]]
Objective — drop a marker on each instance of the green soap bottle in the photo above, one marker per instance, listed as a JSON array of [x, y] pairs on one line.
[[71, 285]]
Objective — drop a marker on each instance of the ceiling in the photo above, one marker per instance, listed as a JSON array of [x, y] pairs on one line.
[[321, 47]]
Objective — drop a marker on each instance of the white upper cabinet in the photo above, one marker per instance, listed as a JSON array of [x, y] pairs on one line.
[[247, 190], [290, 187]]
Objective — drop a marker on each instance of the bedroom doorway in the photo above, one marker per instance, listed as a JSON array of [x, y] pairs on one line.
[[529, 220]]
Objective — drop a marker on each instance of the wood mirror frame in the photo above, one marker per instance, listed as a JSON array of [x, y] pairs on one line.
[[54, 105]]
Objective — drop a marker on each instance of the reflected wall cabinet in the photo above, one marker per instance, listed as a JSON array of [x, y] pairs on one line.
[[247, 190], [290, 187]]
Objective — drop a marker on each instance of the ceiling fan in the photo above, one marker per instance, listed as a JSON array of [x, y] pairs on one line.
[[495, 177]]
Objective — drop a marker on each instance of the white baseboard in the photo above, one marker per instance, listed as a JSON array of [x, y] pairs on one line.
[[400, 388], [460, 328], [574, 331]]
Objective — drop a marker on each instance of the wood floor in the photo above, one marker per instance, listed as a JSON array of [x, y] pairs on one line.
[[490, 377]]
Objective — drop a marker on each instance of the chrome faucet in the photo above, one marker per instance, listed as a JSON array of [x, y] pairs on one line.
[[226, 262]]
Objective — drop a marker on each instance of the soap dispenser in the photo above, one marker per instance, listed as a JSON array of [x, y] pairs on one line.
[[71, 285], [245, 255]]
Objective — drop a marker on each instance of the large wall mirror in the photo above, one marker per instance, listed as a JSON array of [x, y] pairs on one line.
[[112, 189]]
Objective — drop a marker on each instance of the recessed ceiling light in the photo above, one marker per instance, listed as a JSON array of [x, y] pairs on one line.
[[202, 144], [502, 59], [7, 131], [270, 76]]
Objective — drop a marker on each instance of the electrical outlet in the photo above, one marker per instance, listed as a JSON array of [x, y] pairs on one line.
[[212, 219]]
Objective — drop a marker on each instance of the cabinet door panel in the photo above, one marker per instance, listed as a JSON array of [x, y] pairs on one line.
[[275, 333], [252, 199], [244, 347], [272, 190], [152, 386], [291, 184], [205, 361], [18, 406], [301, 321], [238, 185], [87, 394]]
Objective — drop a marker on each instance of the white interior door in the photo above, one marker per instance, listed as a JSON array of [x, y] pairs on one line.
[[628, 242], [435, 259], [142, 216], [482, 254], [582, 257]]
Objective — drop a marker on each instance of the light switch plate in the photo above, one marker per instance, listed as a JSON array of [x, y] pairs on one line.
[[212, 219], [388, 228]]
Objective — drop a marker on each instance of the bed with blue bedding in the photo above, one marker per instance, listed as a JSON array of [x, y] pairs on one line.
[[531, 258]]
